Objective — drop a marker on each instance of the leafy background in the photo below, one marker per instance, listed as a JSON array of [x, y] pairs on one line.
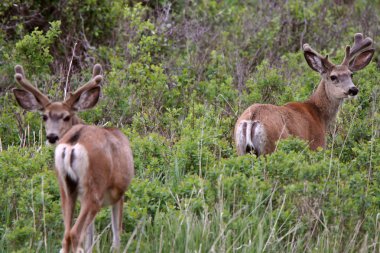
[[177, 75]]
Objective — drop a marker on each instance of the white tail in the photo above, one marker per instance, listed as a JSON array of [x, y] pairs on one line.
[[71, 161], [261, 125], [93, 164], [250, 136]]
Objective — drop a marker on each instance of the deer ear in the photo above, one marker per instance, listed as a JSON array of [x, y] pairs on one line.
[[27, 100], [315, 62], [87, 99], [362, 60]]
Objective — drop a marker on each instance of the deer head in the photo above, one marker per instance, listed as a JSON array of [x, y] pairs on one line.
[[338, 78], [58, 117]]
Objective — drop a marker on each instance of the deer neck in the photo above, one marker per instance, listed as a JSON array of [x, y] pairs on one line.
[[327, 106]]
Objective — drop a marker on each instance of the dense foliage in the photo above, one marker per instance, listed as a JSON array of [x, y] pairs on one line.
[[177, 75]]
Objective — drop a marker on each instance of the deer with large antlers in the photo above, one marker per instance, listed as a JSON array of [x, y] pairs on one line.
[[92, 163], [261, 125]]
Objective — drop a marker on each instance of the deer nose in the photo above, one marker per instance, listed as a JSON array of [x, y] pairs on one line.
[[52, 138], [353, 91]]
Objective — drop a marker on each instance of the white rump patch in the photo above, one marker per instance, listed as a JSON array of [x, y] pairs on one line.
[[247, 137], [71, 161], [240, 139], [259, 138]]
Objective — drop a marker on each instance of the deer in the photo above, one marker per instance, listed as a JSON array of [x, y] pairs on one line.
[[93, 164], [260, 126]]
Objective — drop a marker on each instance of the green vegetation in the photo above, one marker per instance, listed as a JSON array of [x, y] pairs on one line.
[[177, 75]]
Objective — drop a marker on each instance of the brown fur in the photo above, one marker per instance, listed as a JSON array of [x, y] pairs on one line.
[[302, 119], [106, 174], [92, 163], [307, 120], [107, 177]]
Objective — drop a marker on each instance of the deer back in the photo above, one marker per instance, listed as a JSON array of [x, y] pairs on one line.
[[95, 159]]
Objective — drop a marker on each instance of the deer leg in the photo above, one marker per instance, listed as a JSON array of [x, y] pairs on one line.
[[121, 203], [68, 205], [88, 211], [89, 237], [117, 220]]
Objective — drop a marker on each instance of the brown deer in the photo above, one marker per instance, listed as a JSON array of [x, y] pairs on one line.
[[261, 125], [92, 163]]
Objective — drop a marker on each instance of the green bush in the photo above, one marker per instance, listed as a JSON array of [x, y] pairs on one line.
[[177, 76], [33, 51]]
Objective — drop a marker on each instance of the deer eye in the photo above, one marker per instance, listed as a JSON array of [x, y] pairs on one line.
[[44, 117], [67, 118], [334, 78]]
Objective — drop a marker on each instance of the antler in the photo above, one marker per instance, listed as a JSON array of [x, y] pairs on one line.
[[95, 80], [360, 45], [20, 78], [325, 60]]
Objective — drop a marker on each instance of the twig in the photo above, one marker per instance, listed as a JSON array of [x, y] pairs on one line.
[[303, 34], [134, 233], [275, 224], [68, 73], [43, 213]]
